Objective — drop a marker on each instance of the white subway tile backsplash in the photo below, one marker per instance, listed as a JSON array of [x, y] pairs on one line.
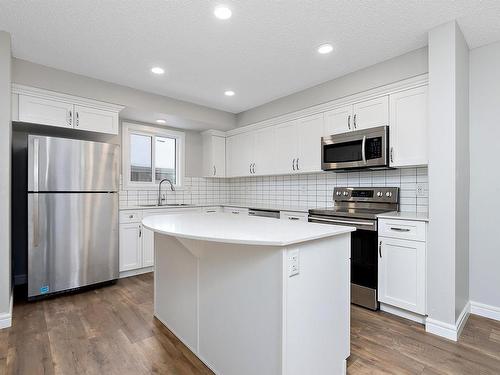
[[308, 190]]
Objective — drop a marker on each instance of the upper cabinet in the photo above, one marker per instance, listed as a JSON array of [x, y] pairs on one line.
[[298, 145], [338, 120], [362, 115], [214, 154], [408, 127], [292, 143], [54, 109]]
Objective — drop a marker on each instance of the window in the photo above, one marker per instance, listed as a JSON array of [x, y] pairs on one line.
[[151, 154]]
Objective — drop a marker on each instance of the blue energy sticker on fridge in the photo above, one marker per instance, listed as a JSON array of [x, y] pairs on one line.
[[44, 289]]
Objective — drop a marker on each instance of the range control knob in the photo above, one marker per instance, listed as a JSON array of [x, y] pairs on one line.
[[339, 193], [388, 194], [345, 193], [379, 194]]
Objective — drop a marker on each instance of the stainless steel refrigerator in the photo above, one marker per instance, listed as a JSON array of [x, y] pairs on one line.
[[72, 214]]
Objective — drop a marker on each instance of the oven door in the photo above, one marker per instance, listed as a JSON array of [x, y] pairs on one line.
[[364, 258], [366, 148]]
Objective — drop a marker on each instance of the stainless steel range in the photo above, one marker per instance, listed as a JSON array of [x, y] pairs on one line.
[[359, 207]]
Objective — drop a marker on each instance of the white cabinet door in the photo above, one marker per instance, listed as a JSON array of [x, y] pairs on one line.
[[214, 156], [231, 149], [286, 147], [408, 127], [45, 111], [309, 132], [338, 120], [95, 120], [264, 152], [148, 247], [401, 274], [219, 156], [130, 247], [371, 113], [240, 154]]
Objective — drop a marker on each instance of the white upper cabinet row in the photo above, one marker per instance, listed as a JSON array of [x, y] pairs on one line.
[[54, 109], [295, 146]]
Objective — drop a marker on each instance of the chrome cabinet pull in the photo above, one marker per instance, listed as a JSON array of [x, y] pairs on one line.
[[70, 119], [392, 154], [293, 218], [363, 149], [236, 212], [215, 170], [293, 164], [400, 229], [354, 122], [77, 119], [140, 230], [349, 121], [130, 216], [250, 168], [297, 162], [210, 211], [380, 249]]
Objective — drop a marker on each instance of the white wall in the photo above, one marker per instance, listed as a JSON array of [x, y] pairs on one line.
[[448, 175], [5, 157], [140, 105], [462, 173], [484, 176], [396, 69]]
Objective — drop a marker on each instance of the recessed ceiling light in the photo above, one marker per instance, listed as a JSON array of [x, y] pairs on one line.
[[161, 121], [222, 12], [157, 70], [325, 48], [229, 93]]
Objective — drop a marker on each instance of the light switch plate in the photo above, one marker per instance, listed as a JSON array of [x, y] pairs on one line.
[[293, 263]]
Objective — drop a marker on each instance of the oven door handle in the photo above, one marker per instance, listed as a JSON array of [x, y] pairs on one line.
[[352, 222], [363, 149]]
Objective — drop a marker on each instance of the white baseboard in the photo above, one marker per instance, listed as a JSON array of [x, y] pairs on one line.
[[139, 271], [403, 313], [446, 330], [6, 318], [487, 311]]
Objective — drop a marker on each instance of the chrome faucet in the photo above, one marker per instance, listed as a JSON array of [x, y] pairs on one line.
[[159, 189]]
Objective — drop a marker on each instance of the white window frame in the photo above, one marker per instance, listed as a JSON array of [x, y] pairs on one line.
[[132, 128]]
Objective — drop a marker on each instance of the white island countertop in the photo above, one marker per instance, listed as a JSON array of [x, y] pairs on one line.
[[246, 230]]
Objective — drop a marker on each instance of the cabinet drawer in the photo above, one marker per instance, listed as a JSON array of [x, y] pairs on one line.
[[236, 210], [130, 216], [293, 216], [403, 229]]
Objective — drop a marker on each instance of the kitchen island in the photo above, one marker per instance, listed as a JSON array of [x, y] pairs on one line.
[[252, 295]]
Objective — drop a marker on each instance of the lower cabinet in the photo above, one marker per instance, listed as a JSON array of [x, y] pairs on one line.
[[130, 246], [402, 270], [136, 242]]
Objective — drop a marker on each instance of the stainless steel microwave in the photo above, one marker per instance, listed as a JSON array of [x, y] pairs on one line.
[[366, 148]]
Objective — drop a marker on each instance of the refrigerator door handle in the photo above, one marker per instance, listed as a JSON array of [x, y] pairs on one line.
[[36, 230], [36, 148]]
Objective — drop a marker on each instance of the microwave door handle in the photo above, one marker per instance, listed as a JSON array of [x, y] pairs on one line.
[[363, 149]]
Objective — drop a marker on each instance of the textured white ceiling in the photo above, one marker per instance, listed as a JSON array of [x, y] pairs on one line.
[[265, 51]]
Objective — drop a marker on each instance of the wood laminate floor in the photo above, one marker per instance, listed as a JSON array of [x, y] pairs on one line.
[[111, 330]]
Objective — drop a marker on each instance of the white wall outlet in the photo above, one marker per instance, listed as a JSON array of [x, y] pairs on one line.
[[293, 263], [420, 190]]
